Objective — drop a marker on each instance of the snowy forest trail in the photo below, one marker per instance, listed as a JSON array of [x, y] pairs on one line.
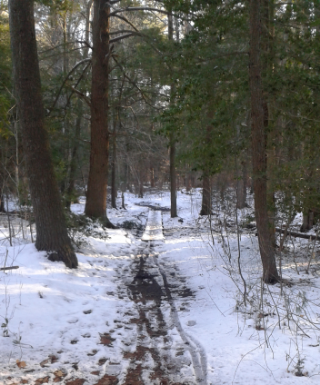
[[139, 340], [164, 310], [164, 353]]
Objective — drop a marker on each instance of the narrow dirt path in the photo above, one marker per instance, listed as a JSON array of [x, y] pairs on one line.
[[144, 344], [164, 353]]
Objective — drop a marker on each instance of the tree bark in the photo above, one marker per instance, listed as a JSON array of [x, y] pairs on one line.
[[206, 195], [52, 233], [96, 203], [73, 162], [267, 64], [113, 166], [308, 221], [242, 187], [173, 176], [140, 180], [152, 180], [173, 180], [259, 158]]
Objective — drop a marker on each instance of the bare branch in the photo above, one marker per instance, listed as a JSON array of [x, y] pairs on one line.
[[127, 21], [85, 43], [131, 9], [79, 80], [132, 82], [64, 82], [82, 96], [123, 37]]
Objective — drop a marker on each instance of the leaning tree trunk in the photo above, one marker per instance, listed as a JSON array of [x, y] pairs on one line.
[[259, 158], [96, 203], [52, 234], [206, 195]]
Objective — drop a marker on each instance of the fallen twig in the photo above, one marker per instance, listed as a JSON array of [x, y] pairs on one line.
[[9, 268]]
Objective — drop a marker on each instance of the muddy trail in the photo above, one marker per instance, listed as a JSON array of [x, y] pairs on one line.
[[164, 353], [145, 345]]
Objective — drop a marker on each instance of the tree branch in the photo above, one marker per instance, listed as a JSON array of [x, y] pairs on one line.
[[64, 82], [82, 96], [127, 21], [131, 9], [123, 37], [131, 81], [79, 80]]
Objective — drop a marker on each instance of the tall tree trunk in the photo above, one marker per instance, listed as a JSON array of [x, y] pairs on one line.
[[308, 221], [96, 203], [267, 64], [73, 162], [259, 158], [241, 188], [173, 176], [206, 195], [152, 181], [140, 180], [173, 180], [113, 165], [188, 182], [52, 234]]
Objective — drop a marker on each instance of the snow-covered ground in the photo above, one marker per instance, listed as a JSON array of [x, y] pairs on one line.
[[59, 324]]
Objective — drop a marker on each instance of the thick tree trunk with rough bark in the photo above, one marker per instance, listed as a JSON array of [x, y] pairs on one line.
[[52, 234], [96, 203], [206, 195], [259, 158], [173, 174]]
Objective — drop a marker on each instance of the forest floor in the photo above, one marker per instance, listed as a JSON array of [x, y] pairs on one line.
[[156, 303]]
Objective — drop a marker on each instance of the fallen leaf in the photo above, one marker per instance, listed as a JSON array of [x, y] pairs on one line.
[[43, 380], [59, 373], [102, 361], [21, 364], [96, 372], [44, 363], [106, 339], [53, 358], [107, 380], [77, 381]]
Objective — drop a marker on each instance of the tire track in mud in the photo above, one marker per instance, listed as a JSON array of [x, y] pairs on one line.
[[164, 354], [198, 355]]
